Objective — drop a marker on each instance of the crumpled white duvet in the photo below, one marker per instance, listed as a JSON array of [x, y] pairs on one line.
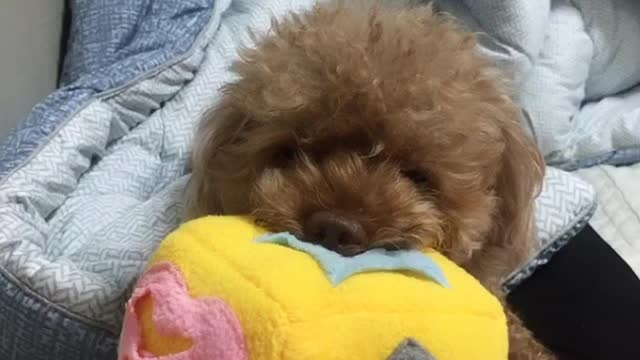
[[576, 64]]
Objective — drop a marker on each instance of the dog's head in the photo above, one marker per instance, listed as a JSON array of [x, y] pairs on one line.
[[356, 127]]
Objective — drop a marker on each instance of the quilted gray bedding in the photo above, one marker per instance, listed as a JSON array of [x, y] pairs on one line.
[[575, 69], [93, 180], [576, 75]]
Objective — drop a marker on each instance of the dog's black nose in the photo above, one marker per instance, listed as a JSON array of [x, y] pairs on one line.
[[335, 232]]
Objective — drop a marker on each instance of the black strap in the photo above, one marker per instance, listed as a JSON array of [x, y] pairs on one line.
[[585, 303]]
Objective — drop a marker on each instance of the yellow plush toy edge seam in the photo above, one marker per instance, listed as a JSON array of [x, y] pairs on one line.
[[392, 313]]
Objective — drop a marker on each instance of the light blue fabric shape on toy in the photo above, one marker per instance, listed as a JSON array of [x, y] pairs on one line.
[[339, 268]]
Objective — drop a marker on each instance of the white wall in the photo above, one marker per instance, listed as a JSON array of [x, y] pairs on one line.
[[29, 44]]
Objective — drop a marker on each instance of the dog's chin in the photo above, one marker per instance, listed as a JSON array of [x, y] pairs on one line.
[[344, 250], [418, 235], [347, 250]]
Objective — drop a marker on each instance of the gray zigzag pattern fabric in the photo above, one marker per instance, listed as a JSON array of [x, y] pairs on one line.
[[561, 201], [66, 135], [563, 208], [112, 42], [33, 329], [85, 213], [83, 241]]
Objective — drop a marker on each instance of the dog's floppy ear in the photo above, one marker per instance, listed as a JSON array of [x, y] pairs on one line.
[[519, 182], [218, 162]]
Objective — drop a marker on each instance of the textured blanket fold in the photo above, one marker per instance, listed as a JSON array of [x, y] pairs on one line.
[[575, 65]]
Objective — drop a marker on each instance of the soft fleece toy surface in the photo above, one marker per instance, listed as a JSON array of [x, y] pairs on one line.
[[218, 288]]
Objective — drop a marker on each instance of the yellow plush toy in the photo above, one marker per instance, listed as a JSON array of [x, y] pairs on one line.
[[214, 291]]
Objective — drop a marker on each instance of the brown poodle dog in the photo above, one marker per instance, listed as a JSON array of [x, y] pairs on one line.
[[360, 125]]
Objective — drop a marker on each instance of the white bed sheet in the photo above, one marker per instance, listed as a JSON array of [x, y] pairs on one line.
[[617, 217]]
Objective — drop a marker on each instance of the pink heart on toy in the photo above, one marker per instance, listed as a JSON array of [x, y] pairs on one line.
[[209, 323]]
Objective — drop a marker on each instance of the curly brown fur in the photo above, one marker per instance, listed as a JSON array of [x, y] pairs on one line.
[[386, 118]]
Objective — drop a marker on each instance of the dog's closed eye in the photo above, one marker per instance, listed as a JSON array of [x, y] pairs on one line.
[[417, 176], [283, 156]]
